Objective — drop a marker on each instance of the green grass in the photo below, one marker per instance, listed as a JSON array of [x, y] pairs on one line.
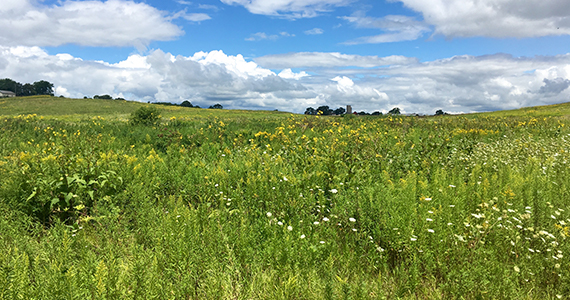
[[219, 204]]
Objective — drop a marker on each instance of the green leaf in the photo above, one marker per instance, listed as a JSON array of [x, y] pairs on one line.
[[54, 201], [32, 195], [90, 194]]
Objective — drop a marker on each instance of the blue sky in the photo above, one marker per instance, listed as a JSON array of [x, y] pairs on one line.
[[419, 55]]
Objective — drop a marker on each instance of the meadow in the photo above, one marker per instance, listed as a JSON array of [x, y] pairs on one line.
[[218, 204]]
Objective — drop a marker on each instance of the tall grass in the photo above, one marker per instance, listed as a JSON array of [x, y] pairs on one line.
[[287, 207]]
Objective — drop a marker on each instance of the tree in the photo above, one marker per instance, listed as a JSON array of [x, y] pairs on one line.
[[439, 112], [217, 106], [363, 113], [105, 97], [28, 90], [186, 103], [377, 113], [310, 111], [394, 111], [43, 87], [8, 84], [325, 110], [339, 111]]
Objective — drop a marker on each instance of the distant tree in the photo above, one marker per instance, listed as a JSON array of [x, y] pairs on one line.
[[394, 111], [105, 97], [85, 97], [439, 112], [325, 110], [28, 90], [310, 111], [120, 98], [339, 111], [377, 113], [363, 113], [43, 87], [216, 106], [186, 103], [8, 84]]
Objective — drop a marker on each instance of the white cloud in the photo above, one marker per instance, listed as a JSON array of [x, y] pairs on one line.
[[289, 74], [292, 9], [396, 28], [457, 84], [196, 17], [259, 36], [329, 60], [495, 18], [314, 31], [86, 23]]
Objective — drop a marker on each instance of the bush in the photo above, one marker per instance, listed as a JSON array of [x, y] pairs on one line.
[[145, 116]]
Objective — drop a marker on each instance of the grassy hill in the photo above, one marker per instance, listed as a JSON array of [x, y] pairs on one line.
[[57, 107], [229, 204], [66, 108]]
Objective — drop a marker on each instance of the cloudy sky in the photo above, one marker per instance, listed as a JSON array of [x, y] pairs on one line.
[[418, 55]]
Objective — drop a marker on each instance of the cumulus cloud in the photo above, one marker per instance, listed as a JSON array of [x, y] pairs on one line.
[[554, 86], [329, 60], [126, 23], [456, 84], [291, 9], [289, 74], [495, 18], [396, 28], [314, 31]]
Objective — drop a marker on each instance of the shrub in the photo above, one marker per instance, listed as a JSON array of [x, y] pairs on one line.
[[145, 116]]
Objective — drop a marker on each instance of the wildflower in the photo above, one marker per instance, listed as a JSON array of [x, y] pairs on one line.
[[451, 186], [354, 229], [325, 219], [334, 191], [379, 249], [557, 266], [280, 223], [427, 199], [429, 211], [290, 228], [452, 205], [431, 230], [302, 236], [413, 239], [322, 242], [429, 220], [478, 216], [269, 214], [449, 224], [285, 178], [316, 222], [517, 269], [352, 220]]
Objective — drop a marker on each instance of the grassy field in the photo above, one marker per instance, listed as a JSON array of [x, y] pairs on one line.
[[218, 204]]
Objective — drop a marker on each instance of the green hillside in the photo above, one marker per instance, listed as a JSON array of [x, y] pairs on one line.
[[230, 204], [58, 107], [73, 109]]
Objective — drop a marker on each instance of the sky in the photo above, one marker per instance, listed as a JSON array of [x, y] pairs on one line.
[[459, 56]]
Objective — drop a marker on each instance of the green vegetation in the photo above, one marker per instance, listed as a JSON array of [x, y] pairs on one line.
[[217, 204]]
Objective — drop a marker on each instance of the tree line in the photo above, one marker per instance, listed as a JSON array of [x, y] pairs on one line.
[[326, 111], [41, 87]]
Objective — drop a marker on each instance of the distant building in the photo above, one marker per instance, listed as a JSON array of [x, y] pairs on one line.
[[349, 109], [6, 94]]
